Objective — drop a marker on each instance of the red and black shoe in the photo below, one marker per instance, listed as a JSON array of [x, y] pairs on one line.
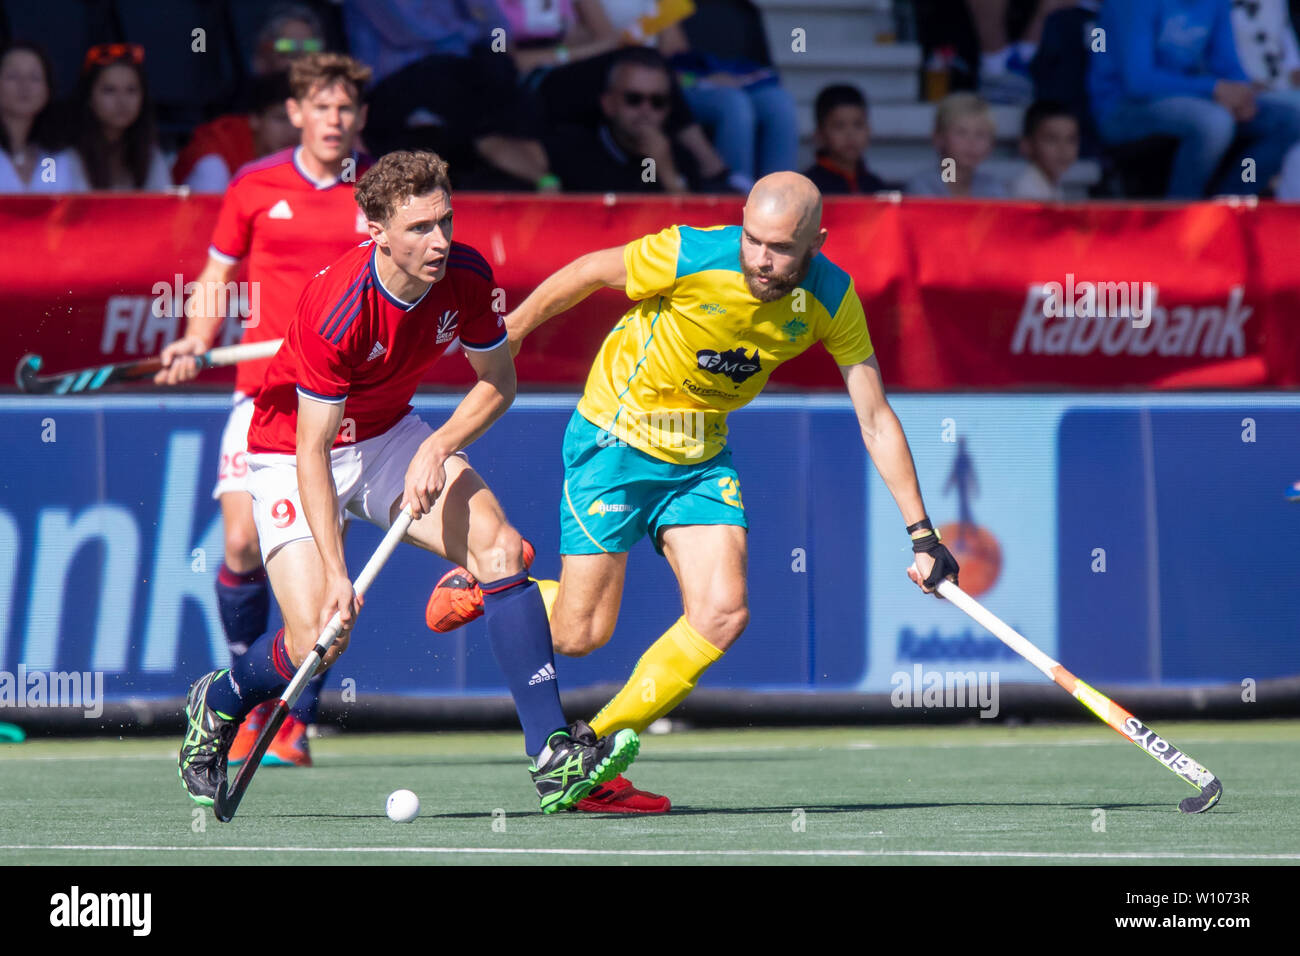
[[619, 796], [457, 599]]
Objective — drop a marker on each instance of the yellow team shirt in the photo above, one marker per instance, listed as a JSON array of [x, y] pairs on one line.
[[697, 345]]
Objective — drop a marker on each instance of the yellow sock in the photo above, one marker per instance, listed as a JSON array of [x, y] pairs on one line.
[[666, 673], [550, 591]]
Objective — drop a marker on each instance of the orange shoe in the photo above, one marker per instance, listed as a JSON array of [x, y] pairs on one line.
[[619, 796], [457, 599], [289, 748], [248, 731]]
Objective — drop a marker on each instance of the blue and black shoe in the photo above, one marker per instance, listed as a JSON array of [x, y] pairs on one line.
[[575, 761], [208, 736]]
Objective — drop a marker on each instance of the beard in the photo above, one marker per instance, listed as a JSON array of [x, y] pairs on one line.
[[780, 284]]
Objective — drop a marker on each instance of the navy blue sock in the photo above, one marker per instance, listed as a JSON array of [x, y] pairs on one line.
[[264, 672], [245, 604], [308, 705], [521, 641]]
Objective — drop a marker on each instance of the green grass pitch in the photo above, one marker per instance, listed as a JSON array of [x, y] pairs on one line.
[[923, 795]]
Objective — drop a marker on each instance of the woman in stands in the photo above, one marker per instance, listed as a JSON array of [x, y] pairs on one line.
[[25, 136], [114, 143]]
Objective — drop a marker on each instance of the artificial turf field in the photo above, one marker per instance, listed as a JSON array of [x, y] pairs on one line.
[[924, 795]]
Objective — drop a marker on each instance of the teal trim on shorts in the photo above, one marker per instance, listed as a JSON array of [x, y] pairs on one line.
[[614, 493]]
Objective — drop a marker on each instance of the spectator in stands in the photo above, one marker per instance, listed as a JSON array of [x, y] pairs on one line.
[[617, 156], [114, 143], [842, 135], [440, 84], [569, 92], [1170, 68], [964, 133], [1267, 48], [1004, 65], [1060, 65], [1286, 187], [25, 134], [1051, 144], [545, 37], [290, 30], [218, 148], [753, 117]]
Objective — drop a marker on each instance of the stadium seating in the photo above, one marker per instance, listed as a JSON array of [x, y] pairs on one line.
[[857, 41]]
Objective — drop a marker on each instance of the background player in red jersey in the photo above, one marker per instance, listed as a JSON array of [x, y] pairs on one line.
[[289, 215], [366, 331]]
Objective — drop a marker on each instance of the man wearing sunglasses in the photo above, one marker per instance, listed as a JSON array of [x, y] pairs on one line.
[[631, 151], [292, 30]]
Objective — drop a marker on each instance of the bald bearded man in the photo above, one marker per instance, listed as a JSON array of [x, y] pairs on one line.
[[716, 310]]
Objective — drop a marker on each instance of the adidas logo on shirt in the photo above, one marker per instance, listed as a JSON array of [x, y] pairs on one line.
[[543, 675], [377, 351], [280, 210]]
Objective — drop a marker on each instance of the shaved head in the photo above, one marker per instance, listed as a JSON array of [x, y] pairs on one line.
[[788, 198], [782, 232]]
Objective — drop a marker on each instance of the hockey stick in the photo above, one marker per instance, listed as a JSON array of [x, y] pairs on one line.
[[1110, 712], [90, 379], [227, 799]]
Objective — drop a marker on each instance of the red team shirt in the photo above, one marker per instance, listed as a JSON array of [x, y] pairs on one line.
[[352, 341], [288, 226]]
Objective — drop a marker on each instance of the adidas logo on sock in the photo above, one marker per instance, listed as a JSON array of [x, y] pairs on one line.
[[545, 674]]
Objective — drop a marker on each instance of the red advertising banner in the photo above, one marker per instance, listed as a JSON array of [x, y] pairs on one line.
[[957, 295]]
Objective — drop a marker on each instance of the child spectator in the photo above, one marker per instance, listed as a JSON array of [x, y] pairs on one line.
[[842, 136], [1051, 144], [964, 132], [25, 139], [218, 148], [115, 146]]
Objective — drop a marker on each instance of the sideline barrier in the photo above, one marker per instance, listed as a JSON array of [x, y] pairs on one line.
[[957, 295]]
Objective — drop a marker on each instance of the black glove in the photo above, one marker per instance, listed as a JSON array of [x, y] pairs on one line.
[[945, 565]]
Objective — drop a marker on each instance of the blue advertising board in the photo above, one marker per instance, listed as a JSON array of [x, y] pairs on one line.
[[1140, 539]]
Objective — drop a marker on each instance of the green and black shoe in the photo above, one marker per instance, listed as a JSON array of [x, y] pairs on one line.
[[208, 736], [575, 761]]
